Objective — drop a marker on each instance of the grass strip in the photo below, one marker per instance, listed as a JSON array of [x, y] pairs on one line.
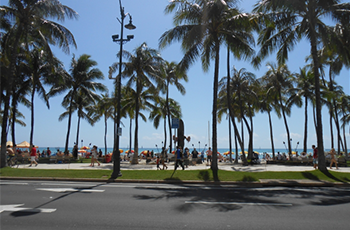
[[198, 175]]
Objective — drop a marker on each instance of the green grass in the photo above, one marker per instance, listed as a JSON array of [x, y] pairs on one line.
[[199, 175]]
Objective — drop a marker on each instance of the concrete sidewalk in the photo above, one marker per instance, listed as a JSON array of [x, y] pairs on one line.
[[143, 166]]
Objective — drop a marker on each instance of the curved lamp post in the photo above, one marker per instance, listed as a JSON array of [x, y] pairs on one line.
[[116, 154]]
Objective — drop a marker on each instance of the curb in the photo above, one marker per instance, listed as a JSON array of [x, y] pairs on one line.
[[261, 183]]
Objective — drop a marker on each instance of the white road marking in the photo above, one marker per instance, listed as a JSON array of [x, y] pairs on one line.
[[68, 190], [237, 203], [17, 208], [14, 183]]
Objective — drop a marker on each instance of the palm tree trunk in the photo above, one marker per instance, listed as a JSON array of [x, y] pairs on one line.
[[78, 130], [271, 135], [305, 127], [130, 135], [69, 124], [287, 128], [169, 123], [321, 158], [230, 137], [345, 145], [3, 129], [105, 137], [165, 136], [236, 145], [136, 140], [32, 116], [14, 112], [214, 164], [228, 88], [331, 127]]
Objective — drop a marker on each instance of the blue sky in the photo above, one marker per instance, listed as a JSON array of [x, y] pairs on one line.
[[93, 30]]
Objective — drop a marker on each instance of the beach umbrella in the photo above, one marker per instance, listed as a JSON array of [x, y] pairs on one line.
[[9, 143], [127, 151], [120, 150], [228, 153], [144, 152], [24, 144], [82, 151], [246, 152], [85, 147]]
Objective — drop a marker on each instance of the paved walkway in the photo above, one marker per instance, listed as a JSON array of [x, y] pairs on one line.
[[222, 166]]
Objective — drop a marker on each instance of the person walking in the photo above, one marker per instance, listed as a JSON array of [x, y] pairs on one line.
[[75, 152], [186, 157], [94, 156], [48, 152], [315, 156], [209, 156], [179, 158], [163, 158], [194, 156], [333, 160], [33, 156], [158, 163]]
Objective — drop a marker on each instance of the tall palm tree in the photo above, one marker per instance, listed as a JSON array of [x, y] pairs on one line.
[[287, 22], [267, 104], [84, 105], [305, 88], [163, 109], [279, 81], [171, 75], [105, 108], [141, 68], [203, 26], [31, 21], [80, 80]]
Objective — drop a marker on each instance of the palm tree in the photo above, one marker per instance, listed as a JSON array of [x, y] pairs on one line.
[[305, 88], [287, 22], [105, 108], [171, 75], [80, 80], [84, 105], [203, 25], [279, 81], [165, 108], [141, 67], [266, 104], [28, 21]]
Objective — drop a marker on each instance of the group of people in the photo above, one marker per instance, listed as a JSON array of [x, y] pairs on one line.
[[182, 158], [12, 152], [332, 153]]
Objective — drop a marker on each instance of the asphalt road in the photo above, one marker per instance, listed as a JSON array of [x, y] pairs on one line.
[[77, 205]]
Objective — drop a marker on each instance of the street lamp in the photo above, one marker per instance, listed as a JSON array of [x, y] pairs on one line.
[[116, 153]]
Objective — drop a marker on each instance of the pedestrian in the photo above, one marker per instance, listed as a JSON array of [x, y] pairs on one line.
[[75, 152], [158, 163], [194, 156], [315, 157], [202, 156], [94, 156], [209, 156], [186, 156], [11, 154], [48, 152], [333, 160], [179, 158], [163, 158], [33, 156]]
